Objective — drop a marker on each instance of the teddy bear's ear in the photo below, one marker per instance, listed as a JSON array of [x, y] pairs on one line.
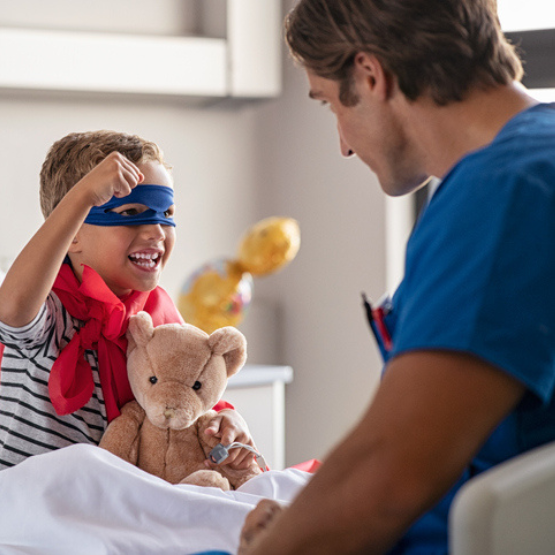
[[140, 330], [230, 343]]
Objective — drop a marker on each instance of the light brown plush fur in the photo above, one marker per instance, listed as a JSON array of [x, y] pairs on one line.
[[162, 431]]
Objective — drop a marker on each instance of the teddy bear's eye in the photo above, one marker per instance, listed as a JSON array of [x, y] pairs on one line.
[[153, 379], [197, 386]]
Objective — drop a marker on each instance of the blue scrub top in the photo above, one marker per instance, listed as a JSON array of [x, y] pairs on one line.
[[480, 279]]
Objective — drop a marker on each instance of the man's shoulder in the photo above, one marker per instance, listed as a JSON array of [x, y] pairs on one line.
[[518, 156], [527, 141]]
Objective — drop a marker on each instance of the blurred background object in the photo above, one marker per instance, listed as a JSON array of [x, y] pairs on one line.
[[219, 293]]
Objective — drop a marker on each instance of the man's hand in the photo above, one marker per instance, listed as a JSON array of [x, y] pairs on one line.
[[258, 521]]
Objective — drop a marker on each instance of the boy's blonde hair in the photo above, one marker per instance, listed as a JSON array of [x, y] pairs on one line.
[[72, 157]]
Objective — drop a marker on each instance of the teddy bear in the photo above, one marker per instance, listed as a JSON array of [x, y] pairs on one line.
[[177, 373]]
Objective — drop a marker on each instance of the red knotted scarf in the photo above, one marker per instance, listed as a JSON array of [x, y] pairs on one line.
[[105, 318]]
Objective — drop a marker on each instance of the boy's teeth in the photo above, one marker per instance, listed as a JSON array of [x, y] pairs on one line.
[[144, 255], [148, 260]]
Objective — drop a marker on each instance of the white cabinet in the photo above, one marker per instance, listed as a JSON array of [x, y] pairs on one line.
[[245, 64], [258, 394]]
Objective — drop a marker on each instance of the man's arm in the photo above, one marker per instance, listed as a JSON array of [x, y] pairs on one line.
[[431, 413], [30, 279]]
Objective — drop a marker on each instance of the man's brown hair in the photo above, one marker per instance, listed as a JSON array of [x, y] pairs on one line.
[[436, 47], [72, 157]]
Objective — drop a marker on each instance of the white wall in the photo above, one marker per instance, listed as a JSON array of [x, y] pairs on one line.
[[233, 166], [341, 211]]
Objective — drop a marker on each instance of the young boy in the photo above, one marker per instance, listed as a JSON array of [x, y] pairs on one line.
[[64, 304]]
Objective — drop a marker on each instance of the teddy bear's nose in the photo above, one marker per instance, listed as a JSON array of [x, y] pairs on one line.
[[169, 413]]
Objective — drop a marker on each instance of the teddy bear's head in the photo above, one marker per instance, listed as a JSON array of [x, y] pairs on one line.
[[178, 372]]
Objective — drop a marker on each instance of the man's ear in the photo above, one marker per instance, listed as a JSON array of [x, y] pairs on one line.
[[370, 75]]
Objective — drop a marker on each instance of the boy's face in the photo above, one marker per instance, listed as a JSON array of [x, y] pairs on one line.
[[128, 258]]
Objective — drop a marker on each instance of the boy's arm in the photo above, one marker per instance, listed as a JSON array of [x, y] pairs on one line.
[[32, 275], [431, 413]]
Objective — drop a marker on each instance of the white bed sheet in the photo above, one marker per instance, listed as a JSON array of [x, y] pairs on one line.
[[83, 500]]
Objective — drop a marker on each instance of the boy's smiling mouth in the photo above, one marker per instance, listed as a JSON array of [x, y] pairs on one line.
[[146, 260]]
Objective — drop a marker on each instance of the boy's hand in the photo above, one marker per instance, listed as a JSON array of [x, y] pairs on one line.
[[229, 426], [114, 176]]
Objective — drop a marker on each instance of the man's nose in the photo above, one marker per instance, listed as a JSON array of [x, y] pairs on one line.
[[346, 150]]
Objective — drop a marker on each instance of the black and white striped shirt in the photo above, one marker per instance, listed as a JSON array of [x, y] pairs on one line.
[[29, 424]]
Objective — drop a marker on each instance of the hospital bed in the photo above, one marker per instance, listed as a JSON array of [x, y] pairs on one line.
[[82, 500]]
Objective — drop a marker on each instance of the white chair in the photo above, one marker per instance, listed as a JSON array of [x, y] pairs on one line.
[[508, 510]]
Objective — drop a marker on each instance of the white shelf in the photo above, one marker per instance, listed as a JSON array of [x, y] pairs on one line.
[[255, 375], [245, 64], [98, 62]]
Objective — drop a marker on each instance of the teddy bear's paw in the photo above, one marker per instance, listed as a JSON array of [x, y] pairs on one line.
[[209, 478]]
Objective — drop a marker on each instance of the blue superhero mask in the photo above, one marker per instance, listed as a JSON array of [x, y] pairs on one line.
[[157, 198]]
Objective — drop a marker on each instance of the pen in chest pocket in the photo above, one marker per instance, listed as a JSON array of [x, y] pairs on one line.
[[376, 320]]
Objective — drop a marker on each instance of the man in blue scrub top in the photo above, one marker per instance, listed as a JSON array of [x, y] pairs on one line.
[[425, 88]]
